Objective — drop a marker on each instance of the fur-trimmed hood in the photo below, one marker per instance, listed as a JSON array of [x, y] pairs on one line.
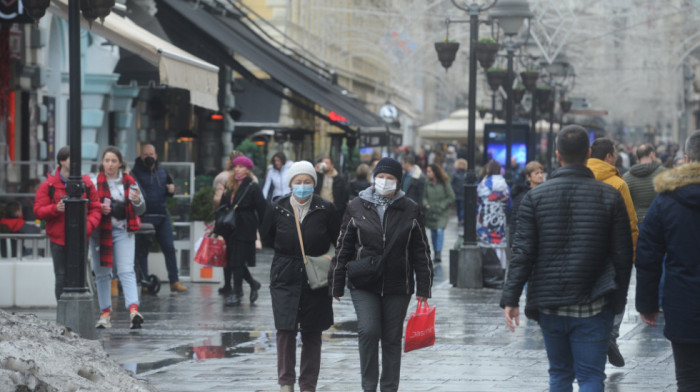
[[683, 175]]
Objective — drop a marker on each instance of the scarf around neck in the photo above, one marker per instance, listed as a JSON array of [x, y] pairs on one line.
[[133, 222]]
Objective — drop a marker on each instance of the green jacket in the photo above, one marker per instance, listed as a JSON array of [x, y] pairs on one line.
[[640, 180], [439, 198]]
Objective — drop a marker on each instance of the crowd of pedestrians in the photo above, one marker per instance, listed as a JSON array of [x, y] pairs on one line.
[[569, 243]]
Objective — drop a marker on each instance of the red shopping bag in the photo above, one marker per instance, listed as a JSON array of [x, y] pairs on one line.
[[420, 330], [212, 251]]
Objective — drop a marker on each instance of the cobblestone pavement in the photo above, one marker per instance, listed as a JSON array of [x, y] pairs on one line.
[[191, 342]]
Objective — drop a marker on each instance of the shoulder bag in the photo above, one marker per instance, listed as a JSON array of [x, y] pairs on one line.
[[225, 221], [316, 266], [367, 270]]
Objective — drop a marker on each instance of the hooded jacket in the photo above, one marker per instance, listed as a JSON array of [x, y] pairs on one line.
[[609, 174], [364, 233], [46, 210], [573, 244], [672, 230], [640, 180]]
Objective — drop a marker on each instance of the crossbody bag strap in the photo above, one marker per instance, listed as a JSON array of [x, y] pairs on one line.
[[235, 206], [296, 220]]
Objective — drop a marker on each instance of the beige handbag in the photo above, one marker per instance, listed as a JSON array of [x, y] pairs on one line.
[[316, 266]]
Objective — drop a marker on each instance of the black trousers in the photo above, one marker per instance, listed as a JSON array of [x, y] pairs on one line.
[[58, 253], [687, 359]]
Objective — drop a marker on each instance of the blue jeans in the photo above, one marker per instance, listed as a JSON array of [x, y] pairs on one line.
[[123, 260], [438, 237], [576, 348], [164, 235]]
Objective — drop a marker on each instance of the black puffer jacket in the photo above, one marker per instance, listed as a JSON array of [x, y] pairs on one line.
[[293, 300], [573, 244], [363, 233]]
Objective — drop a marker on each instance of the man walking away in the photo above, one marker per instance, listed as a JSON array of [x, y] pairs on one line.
[[602, 164], [640, 179], [574, 249], [157, 186], [672, 228]]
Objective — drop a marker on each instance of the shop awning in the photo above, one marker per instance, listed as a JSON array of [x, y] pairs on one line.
[[177, 68], [455, 126], [232, 33]]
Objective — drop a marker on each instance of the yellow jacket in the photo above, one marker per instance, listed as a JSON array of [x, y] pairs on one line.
[[609, 174]]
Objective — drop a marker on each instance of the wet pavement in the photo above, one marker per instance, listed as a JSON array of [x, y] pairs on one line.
[[192, 342]]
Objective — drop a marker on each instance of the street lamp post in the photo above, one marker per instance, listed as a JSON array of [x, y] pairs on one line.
[[469, 272], [75, 307], [510, 15]]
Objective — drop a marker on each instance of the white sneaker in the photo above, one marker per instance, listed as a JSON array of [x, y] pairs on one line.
[[105, 321], [136, 320]]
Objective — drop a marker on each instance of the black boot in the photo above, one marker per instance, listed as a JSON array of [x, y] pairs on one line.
[[254, 287]]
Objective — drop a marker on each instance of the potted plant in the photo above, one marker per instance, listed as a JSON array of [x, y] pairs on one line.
[[518, 94], [482, 111], [447, 51], [529, 77], [486, 50], [565, 105], [542, 95], [496, 77]]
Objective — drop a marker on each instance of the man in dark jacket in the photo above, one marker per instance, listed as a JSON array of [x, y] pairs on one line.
[[640, 179], [672, 228], [574, 248], [331, 185], [157, 186]]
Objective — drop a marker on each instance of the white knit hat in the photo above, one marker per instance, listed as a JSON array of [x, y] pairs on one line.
[[301, 167]]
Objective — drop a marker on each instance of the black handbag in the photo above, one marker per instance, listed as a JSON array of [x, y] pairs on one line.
[[369, 269], [225, 217]]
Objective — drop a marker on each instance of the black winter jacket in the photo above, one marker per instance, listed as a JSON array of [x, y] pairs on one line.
[[573, 244], [293, 300], [363, 233], [250, 212]]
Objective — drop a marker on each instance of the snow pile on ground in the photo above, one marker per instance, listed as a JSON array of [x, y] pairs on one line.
[[41, 356]]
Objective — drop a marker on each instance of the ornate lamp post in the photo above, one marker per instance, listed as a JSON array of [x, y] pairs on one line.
[[75, 305], [510, 15], [469, 275]]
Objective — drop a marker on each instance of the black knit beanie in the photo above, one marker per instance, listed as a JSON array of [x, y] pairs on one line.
[[390, 166]]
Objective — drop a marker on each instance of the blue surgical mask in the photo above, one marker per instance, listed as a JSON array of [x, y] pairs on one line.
[[303, 191]]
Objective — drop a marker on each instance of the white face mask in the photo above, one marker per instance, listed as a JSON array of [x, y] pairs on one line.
[[384, 186]]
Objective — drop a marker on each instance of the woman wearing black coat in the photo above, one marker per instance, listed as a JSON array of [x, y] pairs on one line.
[[296, 307], [383, 219], [241, 190]]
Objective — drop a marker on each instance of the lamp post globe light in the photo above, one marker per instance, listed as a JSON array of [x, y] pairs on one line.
[[510, 15], [75, 305]]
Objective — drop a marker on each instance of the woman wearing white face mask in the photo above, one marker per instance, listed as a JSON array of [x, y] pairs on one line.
[[381, 221], [297, 307]]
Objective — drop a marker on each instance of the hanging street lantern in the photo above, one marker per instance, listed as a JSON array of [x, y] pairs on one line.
[[93, 9], [36, 8]]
